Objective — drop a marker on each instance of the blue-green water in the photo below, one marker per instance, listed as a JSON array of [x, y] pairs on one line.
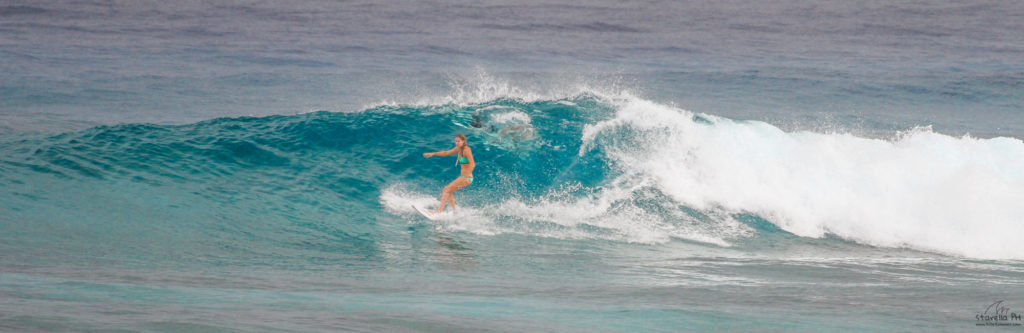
[[640, 166], [582, 216]]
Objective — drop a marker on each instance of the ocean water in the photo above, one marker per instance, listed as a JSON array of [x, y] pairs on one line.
[[641, 166]]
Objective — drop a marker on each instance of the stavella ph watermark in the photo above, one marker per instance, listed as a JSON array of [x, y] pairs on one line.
[[998, 314]]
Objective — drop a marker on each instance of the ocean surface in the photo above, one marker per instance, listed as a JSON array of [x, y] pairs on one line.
[[783, 166]]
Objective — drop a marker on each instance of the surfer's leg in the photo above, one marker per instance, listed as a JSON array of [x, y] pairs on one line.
[[447, 196], [444, 201]]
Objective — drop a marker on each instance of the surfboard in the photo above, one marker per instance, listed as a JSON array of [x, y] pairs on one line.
[[425, 213]]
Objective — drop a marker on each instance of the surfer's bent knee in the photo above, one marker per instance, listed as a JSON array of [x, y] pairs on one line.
[[449, 189]]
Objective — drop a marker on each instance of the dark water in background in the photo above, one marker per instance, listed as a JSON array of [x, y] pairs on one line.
[[866, 65], [163, 167]]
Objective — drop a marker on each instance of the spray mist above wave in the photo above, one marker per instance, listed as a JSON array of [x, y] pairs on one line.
[[476, 87], [920, 190]]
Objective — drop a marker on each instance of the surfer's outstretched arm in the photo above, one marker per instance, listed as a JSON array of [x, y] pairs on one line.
[[453, 151]]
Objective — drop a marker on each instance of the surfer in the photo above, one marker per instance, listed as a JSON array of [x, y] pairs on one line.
[[465, 161]]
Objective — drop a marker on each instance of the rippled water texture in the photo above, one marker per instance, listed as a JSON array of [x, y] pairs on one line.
[[641, 166]]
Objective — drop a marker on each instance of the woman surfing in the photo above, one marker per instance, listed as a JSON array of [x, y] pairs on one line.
[[465, 178]]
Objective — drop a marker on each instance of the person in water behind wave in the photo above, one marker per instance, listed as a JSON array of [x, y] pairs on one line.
[[467, 164]]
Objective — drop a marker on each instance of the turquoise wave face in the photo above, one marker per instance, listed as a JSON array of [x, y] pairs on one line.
[[303, 186]]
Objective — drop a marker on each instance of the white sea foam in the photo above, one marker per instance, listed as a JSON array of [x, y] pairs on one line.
[[398, 200], [615, 222], [514, 116], [566, 218], [921, 190]]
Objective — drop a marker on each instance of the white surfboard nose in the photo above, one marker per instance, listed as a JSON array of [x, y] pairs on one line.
[[425, 212]]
